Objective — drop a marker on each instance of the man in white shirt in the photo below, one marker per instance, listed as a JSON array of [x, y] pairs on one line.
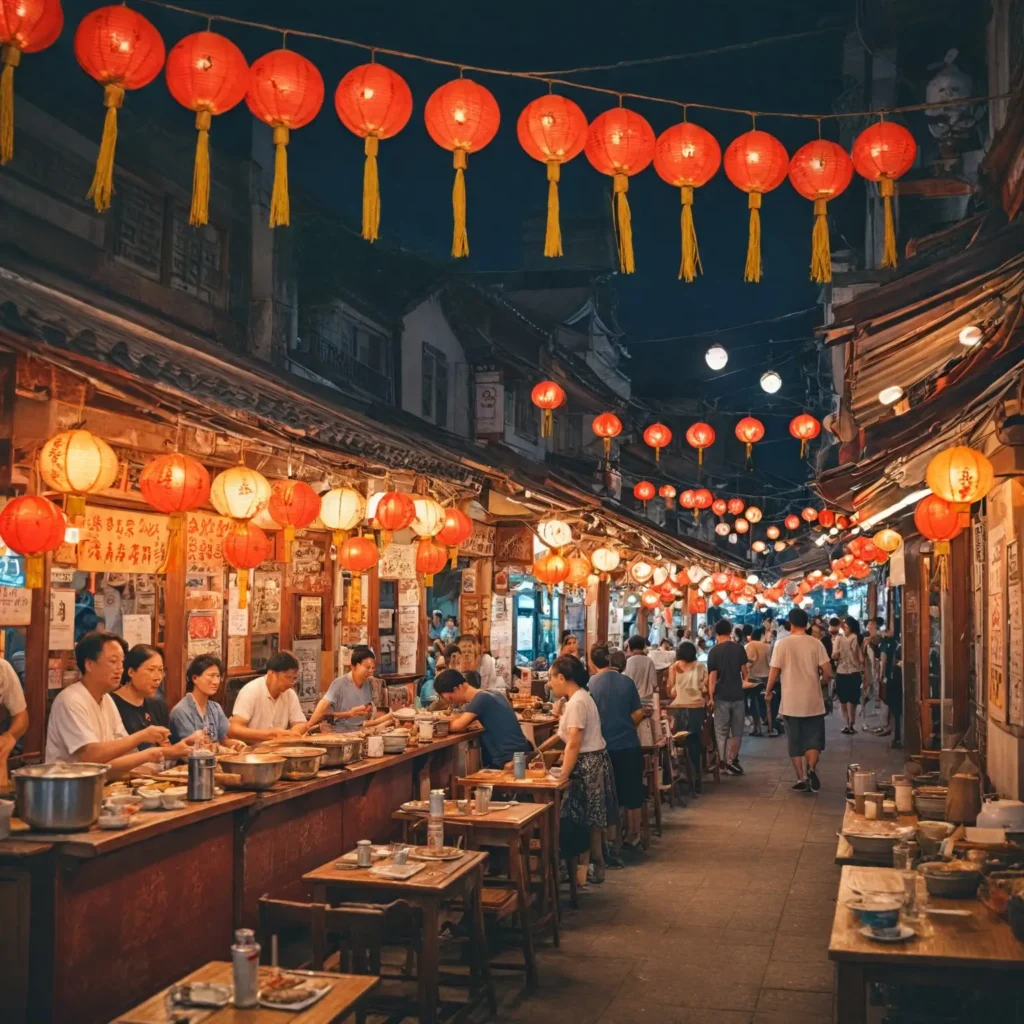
[[801, 658], [12, 699], [268, 707], [84, 724]]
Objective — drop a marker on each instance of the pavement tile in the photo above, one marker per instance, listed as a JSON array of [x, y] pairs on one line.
[[790, 1001], [803, 977]]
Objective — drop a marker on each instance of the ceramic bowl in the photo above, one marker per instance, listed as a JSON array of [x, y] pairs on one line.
[[930, 836], [953, 880], [930, 802], [150, 799], [878, 913]]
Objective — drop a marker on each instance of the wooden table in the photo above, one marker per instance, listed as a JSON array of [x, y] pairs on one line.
[[844, 851], [510, 828], [979, 953], [428, 889], [547, 790], [539, 728], [347, 992]]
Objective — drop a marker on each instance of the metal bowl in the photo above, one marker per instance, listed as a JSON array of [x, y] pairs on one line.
[[930, 802], [258, 771], [301, 762], [943, 880], [395, 742], [60, 797], [341, 748]]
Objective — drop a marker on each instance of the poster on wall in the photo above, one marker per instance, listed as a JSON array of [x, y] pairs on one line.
[[398, 562], [113, 540], [307, 685], [480, 543], [15, 606], [266, 602], [501, 635], [204, 538], [514, 545], [62, 620], [408, 593], [311, 615], [1015, 613], [309, 565], [996, 621]]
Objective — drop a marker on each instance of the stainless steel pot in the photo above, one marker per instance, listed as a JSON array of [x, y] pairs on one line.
[[60, 797], [300, 762], [340, 748], [258, 771]]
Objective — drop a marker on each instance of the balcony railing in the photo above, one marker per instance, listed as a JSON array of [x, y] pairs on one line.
[[343, 368]]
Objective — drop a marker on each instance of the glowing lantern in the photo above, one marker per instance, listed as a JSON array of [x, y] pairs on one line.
[[342, 509], [753, 514], [805, 427], [121, 50], [643, 491], [668, 492], [394, 511], [457, 529], [883, 153], [703, 498], [553, 130], [804, 589], [758, 546], [719, 506], [736, 585], [555, 532], [245, 546], [26, 26], [373, 102], [961, 475], [431, 558], [780, 545], [579, 571], [687, 156], [650, 599], [717, 599], [175, 483], [621, 143], [695, 573], [657, 436], [820, 171], [829, 582], [606, 426], [843, 522], [772, 533], [887, 540], [429, 519], [240, 493], [356, 555], [698, 605], [721, 580], [706, 585], [700, 436], [809, 515], [860, 570], [749, 430], [826, 518], [547, 395], [755, 163], [736, 506], [792, 522], [77, 463], [741, 525], [605, 560], [31, 526], [550, 569], [207, 74], [723, 529], [939, 521], [640, 570], [461, 116], [869, 552], [293, 504]]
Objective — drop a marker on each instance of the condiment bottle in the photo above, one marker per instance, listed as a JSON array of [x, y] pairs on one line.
[[245, 960], [873, 805]]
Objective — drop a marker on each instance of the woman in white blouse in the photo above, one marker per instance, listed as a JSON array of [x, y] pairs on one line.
[[688, 684]]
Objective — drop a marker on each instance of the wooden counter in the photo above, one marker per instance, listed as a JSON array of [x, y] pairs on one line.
[[102, 920]]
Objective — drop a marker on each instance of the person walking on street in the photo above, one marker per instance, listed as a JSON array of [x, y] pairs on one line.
[[727, 668], [806, 665], [848, 655], [892, 672], [757, 655]]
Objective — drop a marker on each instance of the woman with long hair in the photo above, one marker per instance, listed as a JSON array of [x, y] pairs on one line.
[[848, 655], [688, 685]]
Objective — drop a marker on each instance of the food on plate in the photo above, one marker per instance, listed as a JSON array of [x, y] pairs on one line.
[[287, 997], [278, 980]]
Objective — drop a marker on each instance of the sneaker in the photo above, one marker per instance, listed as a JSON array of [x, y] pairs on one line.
[[813, 781], [800, 787], [595, 874], [773, 732], [734, 767]]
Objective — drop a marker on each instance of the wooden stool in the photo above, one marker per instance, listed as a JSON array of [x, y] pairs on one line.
[[679, 743]]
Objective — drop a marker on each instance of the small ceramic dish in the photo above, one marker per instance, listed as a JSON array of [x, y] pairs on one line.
[[113, 822], [150, 799], [877, 913]]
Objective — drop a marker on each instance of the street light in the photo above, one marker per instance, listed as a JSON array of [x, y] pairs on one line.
[[770, 382], [716, 357]]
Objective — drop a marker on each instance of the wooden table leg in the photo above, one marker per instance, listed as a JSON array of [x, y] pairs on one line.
[[429, 965], [480, 937], [851, 998], [550, 887], [517, 873]]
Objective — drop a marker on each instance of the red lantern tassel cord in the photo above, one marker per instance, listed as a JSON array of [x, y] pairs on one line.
[[821, 251], [102, 187], [199, 214], [371, 190], [887, 188], [623, 223], [280, 205], [10, 56], [750, 447], [553, 234], [460, 237], [690, 266], [752, 270]]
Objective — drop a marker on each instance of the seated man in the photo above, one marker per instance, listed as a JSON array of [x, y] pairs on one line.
[[267, 708], [84, 724], [348, 702], [502, 734]]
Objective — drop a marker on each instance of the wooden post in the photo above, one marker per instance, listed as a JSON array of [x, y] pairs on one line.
[[603, 608], [175, 646], [37, 653], [8, 388], [914, 617], [956, 631]]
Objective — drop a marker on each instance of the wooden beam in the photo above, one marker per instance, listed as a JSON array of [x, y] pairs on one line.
[[175, 646], [8, 394], [37, 653]]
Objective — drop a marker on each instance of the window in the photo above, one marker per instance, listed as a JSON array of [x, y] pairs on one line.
[[526, 415], [435, 386], [197, 259], [139, 228]]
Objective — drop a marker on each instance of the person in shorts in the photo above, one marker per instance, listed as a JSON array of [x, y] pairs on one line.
[[848, 655], [727, 677]]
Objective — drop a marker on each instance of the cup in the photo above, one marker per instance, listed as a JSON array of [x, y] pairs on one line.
[[375, 746], [426, 731], [483, 799], [364, 853], [400, 856], [463, 806]]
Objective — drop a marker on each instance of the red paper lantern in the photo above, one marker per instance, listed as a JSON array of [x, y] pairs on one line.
[[792, 523], [643, 491], [717, 599], [547, 395], [31, 526], [820, 171], [809, 515], [457, 529], [373, 102], [804, 428], [293, 504], [687, 156], [860, 570], [741, 525], [753, 514], [736, 506], [607, 425], [395, 511], [719, 506], [26, 26], [357, 554], [735, 585], [431, 558], [703, 498], [650, 599], [827, 518], [937, 519], [668, 492], [461, 116], [755, 163], [119, 48], [869, 552], [749, 430], [553, 130], [686, 499], [657, 436], [207, 74], [286, 91], [175, 483], [843, 522], [882, 153], [245, 546], [700, 436], [620, 143], [550, 569], [698, 605]]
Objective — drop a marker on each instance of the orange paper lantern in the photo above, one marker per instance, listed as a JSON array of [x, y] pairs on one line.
[[547, 396], [607, 425], [827, 518], [620, 143], [373, 102], [650, 599], [579, 571], [431, 558], [703, 498], [643, 491], [357, 554], [719, 506], [700, 436], [698, 605], [749, 430], [961, 475], [804, 428], [937, 519], [175, 484], [792, 523], [293, 504], [741, 525], [461, 116], [31, 526], [753, 514], [245, 546], [395, 511], [668, 492], [736, 506], [755, 163], [772, 533], [809, 515], [882, 153], [686, 499], [550, 569], [657, 436], [820, 171]]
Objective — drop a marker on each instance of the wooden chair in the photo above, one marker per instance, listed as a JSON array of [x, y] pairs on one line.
[[687, 771], [711, 765], [288, 916]]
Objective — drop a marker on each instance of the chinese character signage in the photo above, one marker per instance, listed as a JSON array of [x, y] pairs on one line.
[[114, 540], [489, 405], [204, 537]]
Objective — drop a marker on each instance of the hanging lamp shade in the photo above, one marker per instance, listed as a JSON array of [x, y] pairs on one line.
[[606, 426], [755, 163], [741, 525], [643, 491], [605, 560], [698, 604], [827, 518], [668, 492], [735, 506], [395, 511], [960, 475], [809, 514], [650, 599], [245, 546], [773, 532], [285, 91], [429, 519], [579, 571], [792, 522], [556, 533], [843, 522], [174, 484], [758, 546], [342, 509], [869, 551], [461, 116], [804, 427], [882, 153], [687, 156], [77, 463], [550, 569], [293, 504], [702, 499], [240, 492], [553, 130], [457, 529], [820, 171], [719, 506], [753, 514], [547, 396], [207, 74], [686, 499], [723, 529], [357, 554], [936, 519], [749, 430], [700, 436], [31, 526], [121, 50], [657, 436], [26, 26], [620, 143], [887, 540], [431, 558], [373, 102]]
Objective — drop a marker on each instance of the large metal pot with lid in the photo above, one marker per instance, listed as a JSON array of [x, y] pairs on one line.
[[60, 797]]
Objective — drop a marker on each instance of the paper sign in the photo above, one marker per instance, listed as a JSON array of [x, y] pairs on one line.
[[398, 562], [112, 540], [385, 618], [204, 537], [15, 606], [408, 593], [136, 629], [60, 575], [238, 618], [1016, 615], [307, 654], [62, 620]]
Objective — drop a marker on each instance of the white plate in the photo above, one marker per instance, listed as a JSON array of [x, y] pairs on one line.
[[295, 1007], [905, 932], [202, 993]]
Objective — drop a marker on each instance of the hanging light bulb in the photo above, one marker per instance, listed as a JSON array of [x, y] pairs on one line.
[[716, 357], [971, 336], [821, 541], [733, 538], [770, 382], [753, 578], [891, 394], [780, 545]]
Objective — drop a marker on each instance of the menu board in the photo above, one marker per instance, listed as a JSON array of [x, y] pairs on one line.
[[480, 543], [113, 540], [1016, 617], [15, 606], [204, 537], [997, 702], [501, 634]]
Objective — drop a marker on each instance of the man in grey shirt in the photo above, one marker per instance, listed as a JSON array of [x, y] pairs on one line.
[[641, 670], [349, 700]]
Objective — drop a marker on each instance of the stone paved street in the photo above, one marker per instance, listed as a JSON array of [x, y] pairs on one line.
[[727, 919]]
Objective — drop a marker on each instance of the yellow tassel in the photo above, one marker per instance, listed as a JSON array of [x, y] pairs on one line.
[[752, 271], [821, 249], [11, 58], [553, 235], [242, 577], [34, 572], [888, 190], [460, 239], [199, 214], [623, 223], [803, 448], [371, 190], [102, 187], [546, 423], [289, 540], [690, 266], [355, 600], [280, 205]]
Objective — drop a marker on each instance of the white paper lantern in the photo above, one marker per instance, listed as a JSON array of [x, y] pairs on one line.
[[429, 521]]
